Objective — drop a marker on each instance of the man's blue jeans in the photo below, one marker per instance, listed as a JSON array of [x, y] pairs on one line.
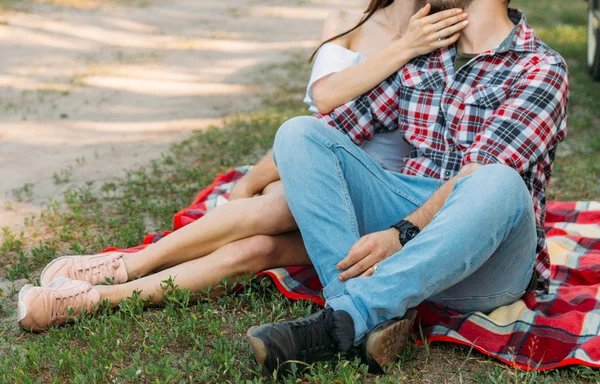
[[476, 255]]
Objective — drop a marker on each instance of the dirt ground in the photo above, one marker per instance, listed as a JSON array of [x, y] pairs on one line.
[[90, 88]]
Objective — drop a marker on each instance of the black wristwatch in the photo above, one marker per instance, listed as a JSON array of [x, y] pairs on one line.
[[407, 231]]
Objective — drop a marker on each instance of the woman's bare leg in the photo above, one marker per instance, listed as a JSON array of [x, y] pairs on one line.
[[275, 187], [239, 219], [241, 257]]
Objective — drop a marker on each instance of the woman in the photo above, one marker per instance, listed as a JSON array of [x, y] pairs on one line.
[[251, 234]]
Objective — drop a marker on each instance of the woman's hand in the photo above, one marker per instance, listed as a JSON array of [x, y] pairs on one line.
[[426, 33], [370, 250], [240, 190]]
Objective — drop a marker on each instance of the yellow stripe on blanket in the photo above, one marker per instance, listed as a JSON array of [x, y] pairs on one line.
[[560, 248], [508, 314], [503, 319], [584, 230]]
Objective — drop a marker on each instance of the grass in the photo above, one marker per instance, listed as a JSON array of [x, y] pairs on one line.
[[203, 341]]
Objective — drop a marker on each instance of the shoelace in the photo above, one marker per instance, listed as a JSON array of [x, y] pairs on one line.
[[107, 267], [65, 300], [313, 335]]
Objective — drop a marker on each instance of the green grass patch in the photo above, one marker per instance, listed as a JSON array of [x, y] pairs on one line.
[[203, 340]]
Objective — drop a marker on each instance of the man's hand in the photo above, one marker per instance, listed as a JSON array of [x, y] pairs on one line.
[[376, 247], [368, 252]]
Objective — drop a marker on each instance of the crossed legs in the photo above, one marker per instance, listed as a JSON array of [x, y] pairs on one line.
[[242, 237], [476, 254], [262, 215], [242, 257]]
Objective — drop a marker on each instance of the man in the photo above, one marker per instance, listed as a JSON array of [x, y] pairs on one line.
[[460, 226]]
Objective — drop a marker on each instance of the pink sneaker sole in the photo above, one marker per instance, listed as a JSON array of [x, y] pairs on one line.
[[22, 308]]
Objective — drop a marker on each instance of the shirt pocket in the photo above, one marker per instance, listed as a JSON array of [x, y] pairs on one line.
[[479, 105], [420, 99]]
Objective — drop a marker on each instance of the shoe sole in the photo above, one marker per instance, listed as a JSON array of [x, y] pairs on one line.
[[22, 307], [259, 350], [383, 346]]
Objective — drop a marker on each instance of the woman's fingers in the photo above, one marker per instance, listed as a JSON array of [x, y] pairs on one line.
[[452, 30], [422, 12], [455, 20], [446, 42], [437, 17]]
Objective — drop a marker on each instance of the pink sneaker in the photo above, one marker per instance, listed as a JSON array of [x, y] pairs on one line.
[[94, 269], [43, 307]]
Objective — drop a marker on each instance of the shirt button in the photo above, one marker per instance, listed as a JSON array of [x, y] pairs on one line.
[[447, 173]]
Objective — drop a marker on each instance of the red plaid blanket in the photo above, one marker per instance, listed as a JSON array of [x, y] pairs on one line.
[[538, 332]]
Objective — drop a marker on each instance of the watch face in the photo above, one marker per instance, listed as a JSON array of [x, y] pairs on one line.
[[411, 233]]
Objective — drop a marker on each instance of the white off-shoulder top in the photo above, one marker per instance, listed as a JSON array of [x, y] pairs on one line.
[[389, 149]]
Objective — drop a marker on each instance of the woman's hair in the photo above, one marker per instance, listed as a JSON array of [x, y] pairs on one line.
[[370, 11]]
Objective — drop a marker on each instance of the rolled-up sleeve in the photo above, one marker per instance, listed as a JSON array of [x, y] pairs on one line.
[[375, 111], [529, 123]]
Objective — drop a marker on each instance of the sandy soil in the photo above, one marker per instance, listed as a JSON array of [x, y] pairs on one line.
[[88, 90]]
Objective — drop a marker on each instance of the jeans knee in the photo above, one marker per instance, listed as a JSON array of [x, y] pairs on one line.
[[503, 183], [293, 136], [293, 131]]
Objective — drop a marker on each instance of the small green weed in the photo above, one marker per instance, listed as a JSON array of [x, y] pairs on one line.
[[63, 176], [23, 193], [11, 241]]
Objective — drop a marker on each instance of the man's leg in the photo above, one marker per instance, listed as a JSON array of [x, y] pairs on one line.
[[479, 247], [337, 193]]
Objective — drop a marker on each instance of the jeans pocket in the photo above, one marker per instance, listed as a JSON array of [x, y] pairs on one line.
[[483, 304]]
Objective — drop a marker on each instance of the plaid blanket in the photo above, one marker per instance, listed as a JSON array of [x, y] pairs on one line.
[[538, 332]]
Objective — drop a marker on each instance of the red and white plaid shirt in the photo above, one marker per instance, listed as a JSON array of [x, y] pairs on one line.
[[507, 106]]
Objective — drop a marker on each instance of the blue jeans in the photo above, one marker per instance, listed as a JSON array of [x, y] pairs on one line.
[[476, 255]]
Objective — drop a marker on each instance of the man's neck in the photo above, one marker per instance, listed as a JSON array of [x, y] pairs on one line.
[[489, 25]]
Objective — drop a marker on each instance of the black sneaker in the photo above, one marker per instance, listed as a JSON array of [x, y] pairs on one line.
[[314, 338], [385, 342]]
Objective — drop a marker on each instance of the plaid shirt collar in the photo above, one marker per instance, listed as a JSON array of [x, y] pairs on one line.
[[521, 39]]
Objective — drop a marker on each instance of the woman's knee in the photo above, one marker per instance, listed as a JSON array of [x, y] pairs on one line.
[[252, 254], [275, 188], [271, 215]]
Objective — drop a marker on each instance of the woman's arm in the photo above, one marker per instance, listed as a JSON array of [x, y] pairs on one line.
[[424, 35], [264, 173]]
